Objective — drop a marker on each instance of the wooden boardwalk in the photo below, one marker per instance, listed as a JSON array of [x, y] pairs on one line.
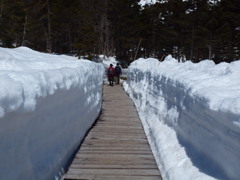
[[116, 148]]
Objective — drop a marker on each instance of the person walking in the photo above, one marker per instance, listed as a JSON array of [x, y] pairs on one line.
[[111, 73], [118, 70]]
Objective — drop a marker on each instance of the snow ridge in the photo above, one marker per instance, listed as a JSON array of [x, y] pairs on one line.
[[191, 114], [26, 75], [47, 104]]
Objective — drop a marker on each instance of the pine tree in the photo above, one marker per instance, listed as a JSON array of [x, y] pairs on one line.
[[231, 16], [11, 22], [195, 29], [125, 23]]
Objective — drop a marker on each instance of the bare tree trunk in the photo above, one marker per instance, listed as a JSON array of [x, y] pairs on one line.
[[101, 45], [111, 47], [178, 53], [24, 30], [69, 41], [192, 46], [231, 48], [209, 52], [1, 10], [16, 40], [104, 31], [106, 44], [49, 37], [137, 49]]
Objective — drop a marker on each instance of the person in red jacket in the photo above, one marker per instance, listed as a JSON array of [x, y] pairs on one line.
[[111, 73]]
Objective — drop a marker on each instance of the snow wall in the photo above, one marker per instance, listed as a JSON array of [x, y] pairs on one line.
[[48, 103], [191, 115]]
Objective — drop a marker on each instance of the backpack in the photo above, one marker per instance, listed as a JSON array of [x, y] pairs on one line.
[[110, 72], [118, 70]]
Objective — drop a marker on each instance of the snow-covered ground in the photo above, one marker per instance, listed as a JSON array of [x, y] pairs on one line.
[[47, 104], [191, 115], [144, 2]]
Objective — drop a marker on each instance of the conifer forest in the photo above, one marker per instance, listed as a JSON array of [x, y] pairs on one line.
[[187, 29]]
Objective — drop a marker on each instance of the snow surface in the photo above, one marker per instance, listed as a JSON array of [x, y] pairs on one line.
[[109, 60], [144, 2], [47, 104], [191, 115]]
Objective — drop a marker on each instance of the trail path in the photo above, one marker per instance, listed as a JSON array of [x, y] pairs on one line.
[[116, 148]]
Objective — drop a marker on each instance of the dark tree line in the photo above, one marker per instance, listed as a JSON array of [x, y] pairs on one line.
[[193, 29]]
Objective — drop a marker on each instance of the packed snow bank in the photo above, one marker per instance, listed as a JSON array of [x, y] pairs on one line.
[[47, 103], [191, 115]]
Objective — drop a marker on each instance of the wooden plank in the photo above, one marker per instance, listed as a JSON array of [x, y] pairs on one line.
[[116, 172], [107, 151], [129, 164], [125, 125], [103, 135], [109, 177], [117, 118], [120, 131], [118, 103], [103, 148], [114, 165], [113, 114], [124, 138], [117, 107], [119, 142], [121, 157], [111, 146]]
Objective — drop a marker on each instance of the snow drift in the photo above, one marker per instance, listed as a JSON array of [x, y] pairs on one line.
[[47, 104], [191, 115]]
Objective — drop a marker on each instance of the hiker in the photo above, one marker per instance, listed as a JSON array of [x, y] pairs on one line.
[[118, 70], [111, 74]]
